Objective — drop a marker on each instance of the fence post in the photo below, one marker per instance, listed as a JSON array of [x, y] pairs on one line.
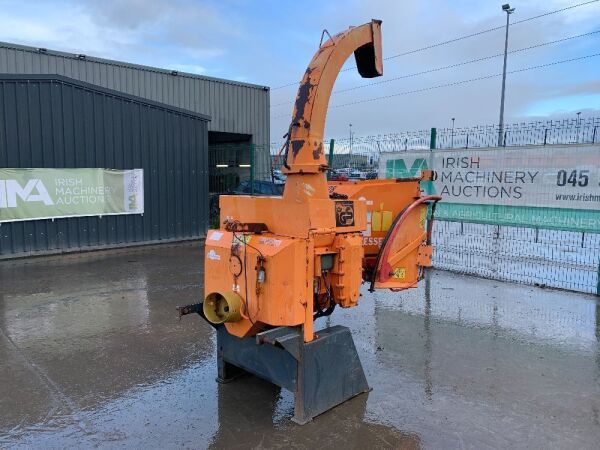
[[598, 282], [251, 169], [433, 139], [330, 158]]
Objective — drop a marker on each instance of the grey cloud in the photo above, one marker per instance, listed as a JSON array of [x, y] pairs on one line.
[[273, 50], [588, 87], [194, 28], [410, 25], [130, 14]]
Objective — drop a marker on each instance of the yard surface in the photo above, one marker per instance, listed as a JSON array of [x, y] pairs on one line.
[[92, 355]]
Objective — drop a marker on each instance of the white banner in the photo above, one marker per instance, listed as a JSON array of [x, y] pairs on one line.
[[34, 194], [565, 176]]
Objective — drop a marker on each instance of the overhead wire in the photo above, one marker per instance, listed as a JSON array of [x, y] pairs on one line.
[[463, 37], [456, 83], [451, 66], [500, 27]]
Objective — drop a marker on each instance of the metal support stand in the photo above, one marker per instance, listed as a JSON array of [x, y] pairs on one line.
[[321, 374]]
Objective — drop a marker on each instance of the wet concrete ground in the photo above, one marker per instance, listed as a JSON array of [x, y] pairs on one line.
[[92, 355]]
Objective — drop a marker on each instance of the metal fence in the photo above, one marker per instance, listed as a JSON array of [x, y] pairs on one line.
[[567, 131], [233, 168], [362, 152], [547, 258], [233, 164]]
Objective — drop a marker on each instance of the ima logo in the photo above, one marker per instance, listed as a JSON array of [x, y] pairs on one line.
[[397, 168], [33, 191]]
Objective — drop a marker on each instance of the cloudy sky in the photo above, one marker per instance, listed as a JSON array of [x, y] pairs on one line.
[[270, 42]]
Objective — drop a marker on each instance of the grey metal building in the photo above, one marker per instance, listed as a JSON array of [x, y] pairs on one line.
[[239, 111], [49, 121]]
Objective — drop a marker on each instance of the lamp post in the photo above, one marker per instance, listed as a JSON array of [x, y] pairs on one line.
[[452, 136], [350, 138], [578, 127], [508, 10]]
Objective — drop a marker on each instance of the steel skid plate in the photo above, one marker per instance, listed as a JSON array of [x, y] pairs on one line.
[[321, 374]]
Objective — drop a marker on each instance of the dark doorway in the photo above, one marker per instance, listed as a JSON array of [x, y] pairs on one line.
[[229, 164], [229, 160]]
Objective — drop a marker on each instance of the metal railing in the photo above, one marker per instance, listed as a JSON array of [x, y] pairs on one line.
[[362, 152], [241, 168], [566, 131], [546, 258]]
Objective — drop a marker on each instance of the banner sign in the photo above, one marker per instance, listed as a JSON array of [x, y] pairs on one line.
[[546, 187], [31, 194]]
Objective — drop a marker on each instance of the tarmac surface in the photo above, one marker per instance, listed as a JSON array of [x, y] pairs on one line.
[[92, 355]]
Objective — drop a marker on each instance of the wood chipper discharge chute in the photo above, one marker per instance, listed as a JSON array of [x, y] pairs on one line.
[[278, 263]]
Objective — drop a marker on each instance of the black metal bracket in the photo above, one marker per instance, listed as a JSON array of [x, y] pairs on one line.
[[198, 309]]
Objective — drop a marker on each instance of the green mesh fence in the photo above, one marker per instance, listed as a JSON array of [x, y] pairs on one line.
[[237, 168]]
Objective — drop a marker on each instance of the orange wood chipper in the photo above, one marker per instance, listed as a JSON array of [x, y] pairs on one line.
[[279, 263]]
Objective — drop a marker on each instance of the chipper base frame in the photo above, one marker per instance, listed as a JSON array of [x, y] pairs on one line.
[[322, 373]]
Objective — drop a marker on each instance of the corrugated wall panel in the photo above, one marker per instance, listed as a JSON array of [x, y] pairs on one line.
[[62, 123], [234, 107]]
